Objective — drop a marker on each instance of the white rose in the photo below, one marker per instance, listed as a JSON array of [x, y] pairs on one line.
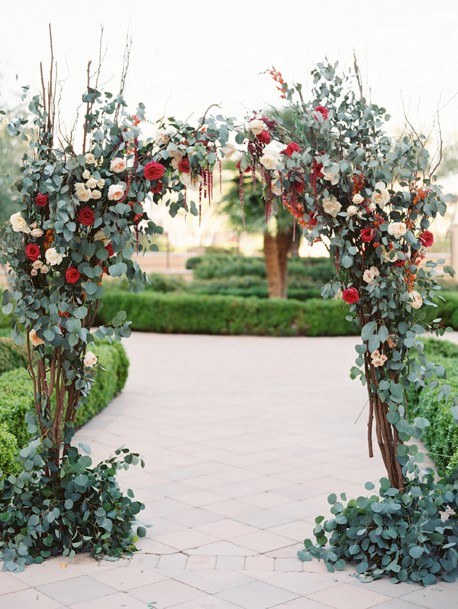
[[36, 233], [90, 159], [44, 269], [86, 174], [358, 199], [382, 197], [34, 272], [100, 183], [37, 264], [118, 165], [331, 206], [352, 210], [99, 236], [370, 274], [82, 192], [35, 339], [53, 257], [416, 301], [256, 126], [378, 359], [18, 223], [96, 194], [91, 183], [331, 174], [116, 191], [270, 159], [397, 229], [90, 359]]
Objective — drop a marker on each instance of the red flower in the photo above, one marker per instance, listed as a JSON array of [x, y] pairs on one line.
[[110, 249], [86, 216], [323, 111], [72, 274], [312, 220], [264, 137], [399, 263], [368, 234], [158, 187], [184, 166], [426, 238], [291, 148], [41, 199], [298, 187], [350, 295], [153, 171], [32, 251]]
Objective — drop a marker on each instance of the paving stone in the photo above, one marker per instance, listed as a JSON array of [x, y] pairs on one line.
[[76, 590], [257, 595]]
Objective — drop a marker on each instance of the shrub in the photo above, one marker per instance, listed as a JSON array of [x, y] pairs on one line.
[[441, 436], [16, 394], [192, 314], [8, 452], [11, 356]]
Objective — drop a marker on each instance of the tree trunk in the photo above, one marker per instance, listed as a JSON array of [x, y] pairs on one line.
[[284, 244], [273, 272]]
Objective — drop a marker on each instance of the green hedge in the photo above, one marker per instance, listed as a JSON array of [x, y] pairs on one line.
[[11, 356], [441, 437], [189, 314], [16, 398]]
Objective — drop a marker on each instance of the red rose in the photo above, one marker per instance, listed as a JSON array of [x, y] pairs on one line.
[[399, 263], [350, 295], [323, 111], [41, 199], [110, 249], [291, 148], [184, 166], [72, 274], [153, 171], [86, 216], [312, 220], [32, 251], [368, 234], [264, 137], [426, 238], [298, 187], [158, 187]]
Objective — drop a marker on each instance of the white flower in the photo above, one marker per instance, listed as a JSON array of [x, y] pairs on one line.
[[162, 137], [382, 197], [116, 191], [270, 159], [53, 257], [35, 339], [100, 183], [370, 274], [352, 210], [90, 159], [90, 359], [118, 165], [378, 359], [36, 264], [331, 174], [34, 272], [36, 233], [91, 183], [82, 192], [397, 229], [331, 206], [389, 255], [18, 223], [86, 174], [256, 126], [96, 194], [44, 269], [358, 199], [99, 236], [416, 301], [338, 294]]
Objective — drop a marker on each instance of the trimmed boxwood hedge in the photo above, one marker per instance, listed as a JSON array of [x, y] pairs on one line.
[[11, 356], [192, 314], [16, 399], [441, 437]]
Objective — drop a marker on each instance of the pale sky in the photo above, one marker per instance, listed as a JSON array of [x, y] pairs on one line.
[[189, 54]]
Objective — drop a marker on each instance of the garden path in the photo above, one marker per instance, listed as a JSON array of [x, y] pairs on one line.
[[244, 438]]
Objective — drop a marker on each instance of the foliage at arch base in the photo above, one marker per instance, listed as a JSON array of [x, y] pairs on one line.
[[83, 216], [371, 198]]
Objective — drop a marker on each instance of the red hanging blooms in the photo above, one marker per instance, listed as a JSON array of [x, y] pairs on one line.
[[86, 216], [153, 171], [32, 251], [72, 275], [350, 295], [41, 199]]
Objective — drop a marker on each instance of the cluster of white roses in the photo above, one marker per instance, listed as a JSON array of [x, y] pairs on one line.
[[91, 188], [378, 359], [38, 265]]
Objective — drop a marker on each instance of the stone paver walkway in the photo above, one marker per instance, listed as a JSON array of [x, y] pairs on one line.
[[244, 438]]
